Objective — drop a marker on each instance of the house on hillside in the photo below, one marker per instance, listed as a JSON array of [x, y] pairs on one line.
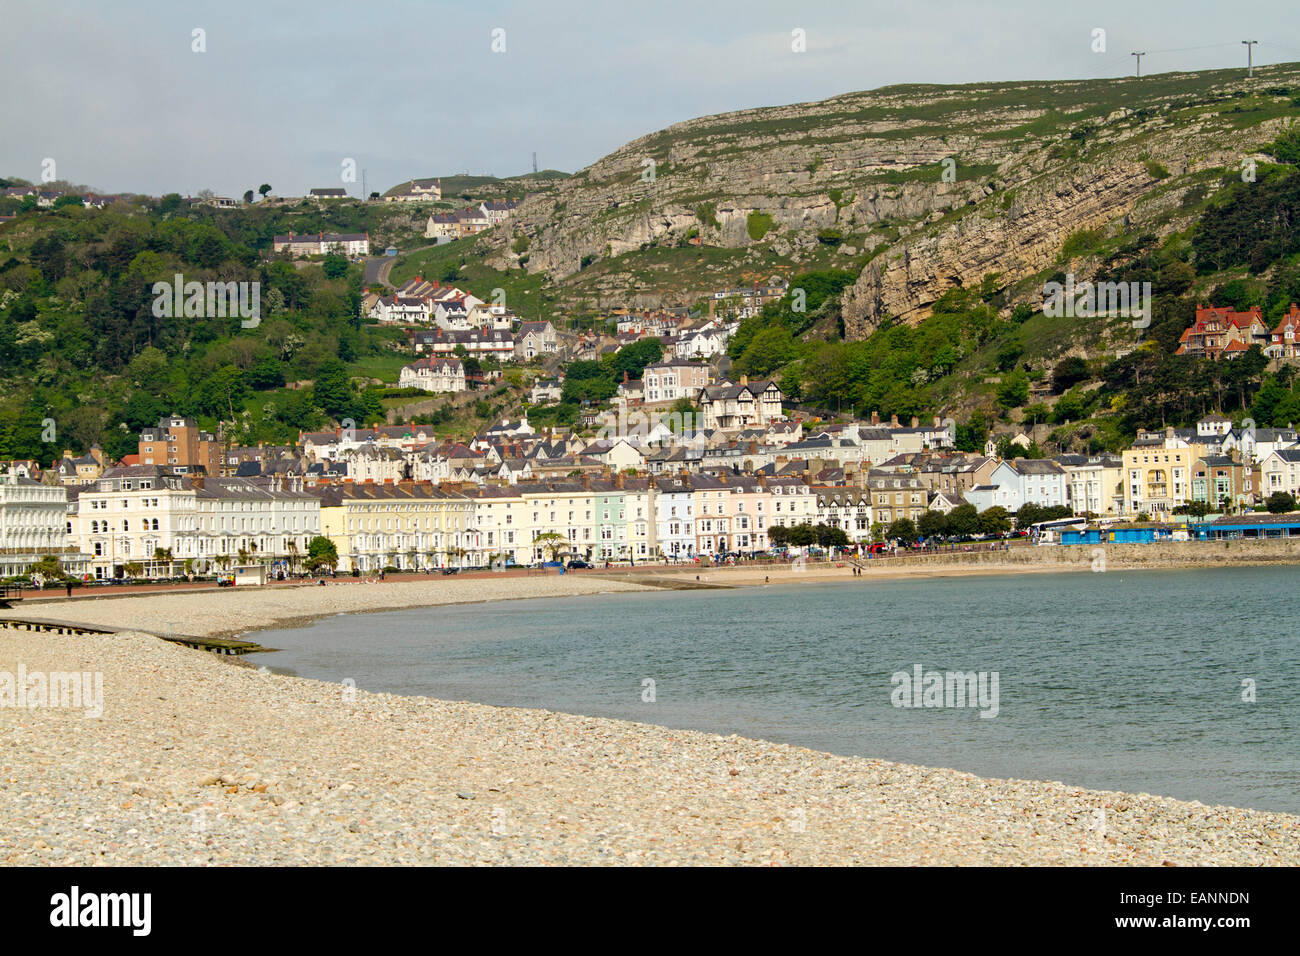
[[1222, 332], [497, 211], [730, 406], [1284, 341], [479, 343], [440, 374], [1022, 481], [667, 382], [546, 390], [417, 190], [535, 338], [350, 244]]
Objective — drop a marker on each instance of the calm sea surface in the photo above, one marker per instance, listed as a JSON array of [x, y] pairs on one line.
[[1122, 680]]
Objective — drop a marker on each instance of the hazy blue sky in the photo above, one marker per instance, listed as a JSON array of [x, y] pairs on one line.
[[286, 91]]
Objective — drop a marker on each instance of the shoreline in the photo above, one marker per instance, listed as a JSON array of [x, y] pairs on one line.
[[183, 734], [194, 762]]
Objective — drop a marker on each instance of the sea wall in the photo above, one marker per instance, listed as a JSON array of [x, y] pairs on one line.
[[1112, 557]]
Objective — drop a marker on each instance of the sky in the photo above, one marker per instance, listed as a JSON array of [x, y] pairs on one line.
[[287, 93]]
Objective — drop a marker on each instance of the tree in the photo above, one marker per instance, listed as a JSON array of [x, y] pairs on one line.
[[902, 529], [769, 350], [1068, 373], [632, 359], [829, 536], [263, 189], [248, 197], [778, 535], [332, 389], [1014, 389], [1281, 502], [1008, 354], [587, 381], [334, 267], [1028, 514], [1286, 148], [49, 568], [933, 524], [994, 520], [321, 553], [551, 541], [973, 435]]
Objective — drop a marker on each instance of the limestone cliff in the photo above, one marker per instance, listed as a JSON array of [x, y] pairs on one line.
[[920, 188]]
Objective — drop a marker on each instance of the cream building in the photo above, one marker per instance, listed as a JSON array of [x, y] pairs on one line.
[[407, 526], [444, 374], [1096, 484], [33, 524], [171, 524]]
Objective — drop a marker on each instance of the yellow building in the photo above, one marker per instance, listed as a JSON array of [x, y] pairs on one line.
[[407, 526], [1157, 478]]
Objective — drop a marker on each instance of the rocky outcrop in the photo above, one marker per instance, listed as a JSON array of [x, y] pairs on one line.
[[956, 183], [1018, 243]]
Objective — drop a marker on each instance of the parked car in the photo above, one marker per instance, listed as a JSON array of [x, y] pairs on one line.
[[578, 563], [451, 570]]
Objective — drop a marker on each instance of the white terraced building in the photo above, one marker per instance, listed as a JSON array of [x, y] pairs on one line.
[[33, 524], [132, 513]]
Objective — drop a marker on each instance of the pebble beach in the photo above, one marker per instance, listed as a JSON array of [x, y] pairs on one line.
[[205, 760]]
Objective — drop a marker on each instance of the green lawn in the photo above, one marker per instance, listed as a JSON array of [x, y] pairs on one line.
[[385, 367]]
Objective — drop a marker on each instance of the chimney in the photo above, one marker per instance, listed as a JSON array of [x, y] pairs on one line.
[[744, 380], [893, 421], [875, 418], [936, 421]]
